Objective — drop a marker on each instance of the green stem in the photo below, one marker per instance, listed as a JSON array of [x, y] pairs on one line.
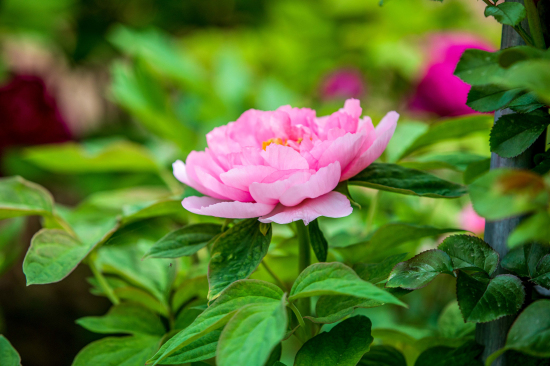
[[170, 181], [300, 319], [534, 24], [304, 260], [488, 3], [526, 37], [275, 277], [372, 211], [102, 281]]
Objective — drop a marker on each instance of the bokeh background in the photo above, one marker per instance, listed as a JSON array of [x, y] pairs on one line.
[[124, 81]]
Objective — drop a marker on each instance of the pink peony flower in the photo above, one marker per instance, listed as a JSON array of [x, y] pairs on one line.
[[439, 91], [471, 221], [343, 83], [282, 166]]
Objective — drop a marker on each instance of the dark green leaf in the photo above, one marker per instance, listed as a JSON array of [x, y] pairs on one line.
[[483, 300], [475, 170], [470, 252], [395, 178], [418, 271], [525, 104], [8, 354], [489, 98], [477, 67], [512, 55], [464, 355], [251, 335], [378, 272], [343, 345], [233, 298], [383, 356], [514, 262], [535, 228], [533, 254], [185, 241], [532, 75], [451, 324], [542, 272], [337, 279], [512, 134], [236, 254], [450, 129], [275, 356], [508, 13], [19, 197], [318, 242], [457, 161], [125, 318], [543, 163], [201, 349]]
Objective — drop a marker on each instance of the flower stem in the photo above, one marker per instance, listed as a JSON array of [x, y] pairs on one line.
[[274, 275], [300, 320], [534, 24], [372, 211], [304, 260], [102, 281], [526, 37]]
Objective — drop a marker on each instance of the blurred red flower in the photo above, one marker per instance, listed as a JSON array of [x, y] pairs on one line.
[[343, 84]]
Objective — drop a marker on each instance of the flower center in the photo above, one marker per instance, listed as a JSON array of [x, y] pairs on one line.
[[280, 141]]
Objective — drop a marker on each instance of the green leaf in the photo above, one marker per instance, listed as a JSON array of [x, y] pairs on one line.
[[251, 335], [489, 98], [512, 134], [420, 270], [542, 273], [525, 104], [378, 272], [451, 324], [514, 262], [395, 178], [233, 298], [475, 170], [535, 228], [125, 318], [192, 288], [507, 13], [336, 279], [318, 242], [464, 355], [185, 241], [478, 67], [512, 55], [383, 356], [450, 129], [457, 161], [482, 300], [533, 75], [8, 354], [73, 158], [117, 351], [236, 254], [470, 252], [543, 163], [19, 197], [201, 349], [162, 207], [52, 256], [505, 192], [343, 345]]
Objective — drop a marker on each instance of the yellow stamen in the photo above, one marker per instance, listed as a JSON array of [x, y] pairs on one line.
[[277, 141]]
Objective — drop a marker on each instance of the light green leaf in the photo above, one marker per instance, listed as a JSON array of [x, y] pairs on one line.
[[542, 273], [483, 300], [337, 279], [343, 345], [478, 67], [383, 355], [470, 252], [195, 287], [236, 254], [533, 75], [457, 161], [465, 355], [233, 298], [201, 349], [535, 228], [118, 351], [489, 98], [8, 354], [395, 178], [475, 170], [420, 270], [451, 324], [125, 318], [508, 13], [512, 134], [163, 207], [512, 55], [19, 197], [185, 241], [317, 240], [250, 336]]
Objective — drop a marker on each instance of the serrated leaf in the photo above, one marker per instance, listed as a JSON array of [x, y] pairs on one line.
[[19, 197], [251, 335], [336, 279], [236, 254], [398, 179], [530, 74], [525, 104], [8, 354], [420, 270], [507, 13], [125, 318], [450, 129], [343, 345], [450, 323], [535, 228], [464, 355], [378, 272], [489, 98], [470, 252], [233, 298], [203, 348], [512, 134], [475, 170], [514, 261], [117, 351], [317, 240], [542, 272], [483, 300], [478, 67], [383, 355], [185, 241]]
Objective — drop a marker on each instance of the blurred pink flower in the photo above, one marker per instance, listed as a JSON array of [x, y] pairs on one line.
[[282, 166], [439, 91], [342, 84], [29, 114], [471, 221]]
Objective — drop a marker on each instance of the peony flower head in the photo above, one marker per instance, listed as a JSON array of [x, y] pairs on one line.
[[471, 221], [283, 165]]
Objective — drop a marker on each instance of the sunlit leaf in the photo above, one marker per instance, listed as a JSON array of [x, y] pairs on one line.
[[19, 197], [118, 351], [8, 354], [507, 13], [535, 228], [470, 252], [478, 67]]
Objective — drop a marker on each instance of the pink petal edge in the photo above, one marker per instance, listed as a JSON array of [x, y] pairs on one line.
[[209, 206]]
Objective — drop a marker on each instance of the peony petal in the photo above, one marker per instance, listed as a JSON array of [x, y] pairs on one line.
[[221, 190], [241, 177], [323, 181], [384, 132], [284, 158], [353, 108], [270, 193], [180, 172], [332, 204], [344, 150], [228, 209]]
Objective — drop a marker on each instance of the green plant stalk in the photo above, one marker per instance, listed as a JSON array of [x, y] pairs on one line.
[[101, 280], [526, 37], [488, 3], [372, 211], [168, 179], [300, 321], [304, 260], [534, 24], [274, 276]]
